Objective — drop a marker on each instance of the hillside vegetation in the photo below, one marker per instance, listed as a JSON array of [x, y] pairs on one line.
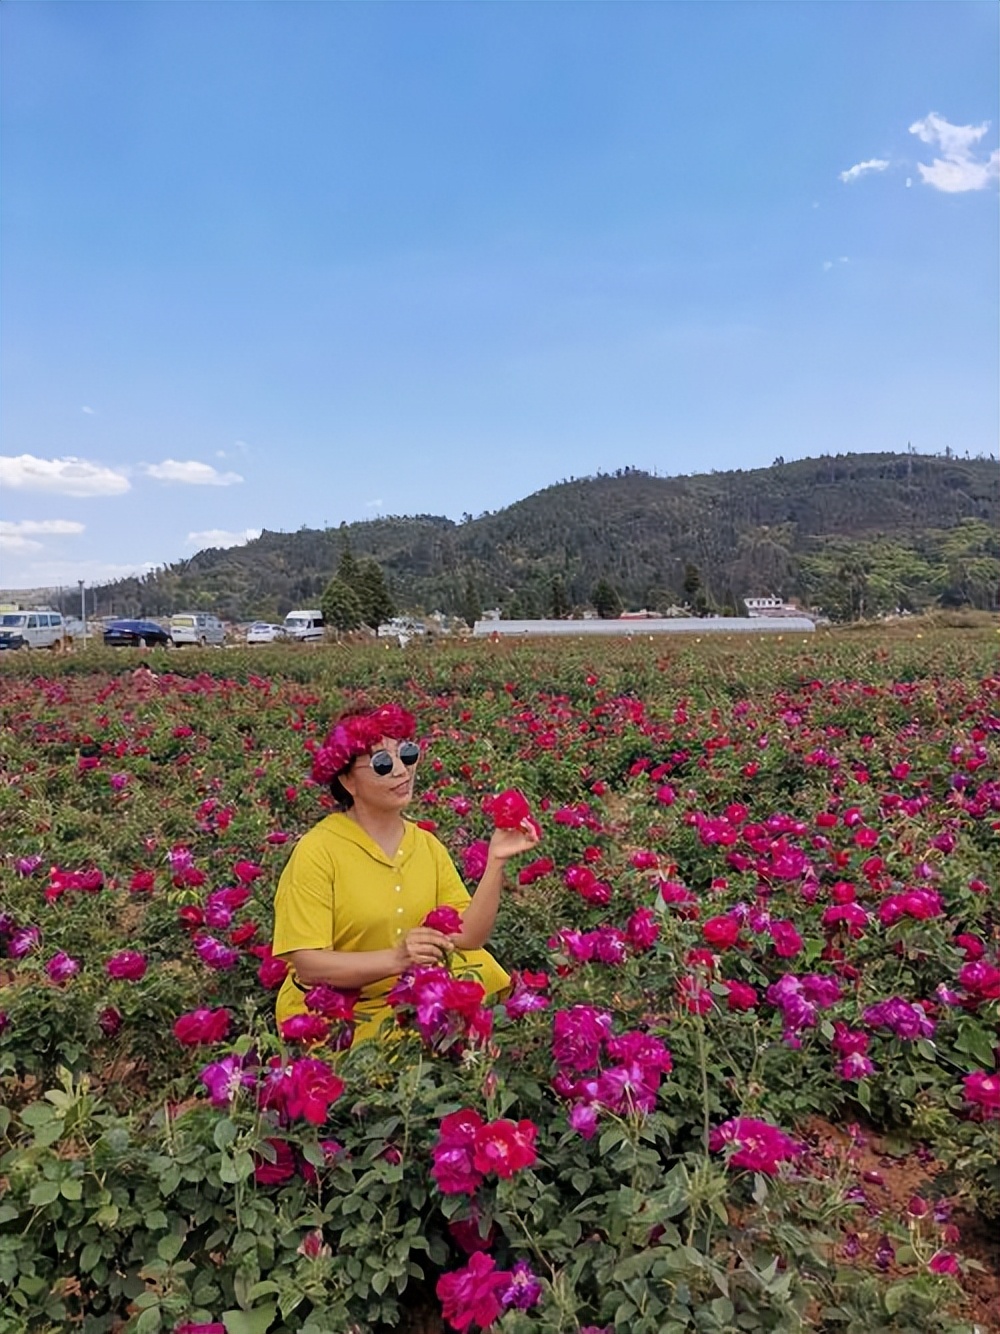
[[852, 534]]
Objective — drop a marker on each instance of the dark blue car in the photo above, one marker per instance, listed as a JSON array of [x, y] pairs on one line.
[[136, 634]]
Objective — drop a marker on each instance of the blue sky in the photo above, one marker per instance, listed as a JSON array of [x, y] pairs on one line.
[[273, 264]]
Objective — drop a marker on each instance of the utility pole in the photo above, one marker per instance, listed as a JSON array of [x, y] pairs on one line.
[[83, 611]]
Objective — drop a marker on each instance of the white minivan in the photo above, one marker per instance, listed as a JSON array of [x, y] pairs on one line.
[[304, 627], [40, 628], [196, 627]]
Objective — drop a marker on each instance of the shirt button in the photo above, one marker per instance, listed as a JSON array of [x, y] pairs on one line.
[[399, 889], [399, 910]]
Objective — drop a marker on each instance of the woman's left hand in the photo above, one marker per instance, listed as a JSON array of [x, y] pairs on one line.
[[507, 843]]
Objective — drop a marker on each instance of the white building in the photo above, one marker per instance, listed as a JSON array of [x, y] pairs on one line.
[[771, 606]]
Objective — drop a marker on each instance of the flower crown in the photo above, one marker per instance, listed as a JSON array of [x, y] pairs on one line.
[[356, 735]]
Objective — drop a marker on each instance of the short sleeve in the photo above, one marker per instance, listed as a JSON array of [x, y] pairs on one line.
[[451, 892], [303, 904]]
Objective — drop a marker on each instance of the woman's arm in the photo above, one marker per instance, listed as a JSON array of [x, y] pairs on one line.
[[351, 969], [479, 916]]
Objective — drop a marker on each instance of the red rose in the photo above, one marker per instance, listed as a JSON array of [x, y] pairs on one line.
[[469, 1296], [201, 1026], [721, 932], [509, 809], [504, 1148], [445, 919], [283, 1167]]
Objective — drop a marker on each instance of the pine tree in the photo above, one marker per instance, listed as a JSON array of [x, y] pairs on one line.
[[606, 601], [559, 598], [373, 594], [340, 605], [347, 566], [472, 607], [692, 583]]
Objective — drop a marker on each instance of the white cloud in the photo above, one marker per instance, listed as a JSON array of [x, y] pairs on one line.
[[373, 504], [88, 411], [957, 169], [222, 537], [65, 477], [829, 263], [20, 538], [16, 544], [863, 169], [191, 473], [34, 527]]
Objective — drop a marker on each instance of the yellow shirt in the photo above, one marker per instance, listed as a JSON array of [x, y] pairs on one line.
[[339, 891]]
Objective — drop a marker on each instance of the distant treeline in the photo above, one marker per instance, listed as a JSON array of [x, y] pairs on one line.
[[852, 535]]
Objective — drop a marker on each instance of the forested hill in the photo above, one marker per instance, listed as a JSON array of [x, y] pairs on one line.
[[852, 533]]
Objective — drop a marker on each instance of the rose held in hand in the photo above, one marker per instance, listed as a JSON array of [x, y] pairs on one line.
[[510, 809]]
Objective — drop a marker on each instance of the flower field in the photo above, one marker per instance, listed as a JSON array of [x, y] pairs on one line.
[[745, 1080]]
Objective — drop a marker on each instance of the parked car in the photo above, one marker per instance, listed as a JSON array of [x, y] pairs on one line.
[[41, 628], [304, 626], [263, 632], [136, 634], [196, 627]]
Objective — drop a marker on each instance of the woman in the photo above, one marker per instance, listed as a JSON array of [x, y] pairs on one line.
[[353, 895]]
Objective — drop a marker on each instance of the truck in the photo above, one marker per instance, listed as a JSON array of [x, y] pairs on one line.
[[196, 627]]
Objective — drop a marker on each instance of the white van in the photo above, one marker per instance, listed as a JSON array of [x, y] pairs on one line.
[[41, 628], [304, 627], [196, 627]]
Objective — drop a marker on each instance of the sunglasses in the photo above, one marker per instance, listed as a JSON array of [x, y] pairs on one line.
[[383, 763]]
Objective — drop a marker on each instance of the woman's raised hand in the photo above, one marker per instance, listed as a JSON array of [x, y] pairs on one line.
[[507, 843], [422, 947]]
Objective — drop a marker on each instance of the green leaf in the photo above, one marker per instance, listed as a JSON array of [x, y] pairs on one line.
[[266, 1288], [257, 1321], [895, 1297], [723, 1310], [90, 1256], [313, 1153], [38, 1114], [44, 1193], [72, 1188], [170, 1179], [168, 1248], [149, 1322], [224, 1133], [976, 1043]]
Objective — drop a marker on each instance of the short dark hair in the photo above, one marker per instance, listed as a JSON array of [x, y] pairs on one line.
[[340, 794]]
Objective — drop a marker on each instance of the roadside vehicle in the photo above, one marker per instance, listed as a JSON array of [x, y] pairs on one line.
[[136, 634], [39, 628], [263, 632], [304, 627], [196, 627]]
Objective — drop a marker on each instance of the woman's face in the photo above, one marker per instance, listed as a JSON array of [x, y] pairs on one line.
[[382, 793]]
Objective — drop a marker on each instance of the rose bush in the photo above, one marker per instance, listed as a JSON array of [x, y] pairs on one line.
[[767, 894]]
